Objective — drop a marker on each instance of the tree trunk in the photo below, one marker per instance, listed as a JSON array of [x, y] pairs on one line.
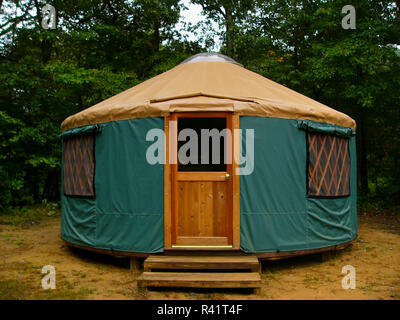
[[362, 144], [362, 153], [228, 30], [156, 30]]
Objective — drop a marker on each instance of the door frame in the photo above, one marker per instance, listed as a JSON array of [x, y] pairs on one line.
[[168, 175]]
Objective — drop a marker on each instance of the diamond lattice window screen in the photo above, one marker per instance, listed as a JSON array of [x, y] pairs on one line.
[[79, 166], [328, 166]]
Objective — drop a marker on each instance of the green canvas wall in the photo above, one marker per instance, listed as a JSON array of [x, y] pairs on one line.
[[275, 213], [128, 211]]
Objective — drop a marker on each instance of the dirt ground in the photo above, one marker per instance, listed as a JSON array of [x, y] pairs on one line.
[[25, 249]]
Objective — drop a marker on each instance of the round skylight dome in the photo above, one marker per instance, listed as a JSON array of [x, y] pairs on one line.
[[210, 56]]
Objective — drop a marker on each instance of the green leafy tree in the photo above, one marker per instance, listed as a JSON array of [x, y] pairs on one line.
[[228, 14], [98, 49], [354, 71]]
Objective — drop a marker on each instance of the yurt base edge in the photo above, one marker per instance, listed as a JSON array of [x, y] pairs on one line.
[[215, 251]]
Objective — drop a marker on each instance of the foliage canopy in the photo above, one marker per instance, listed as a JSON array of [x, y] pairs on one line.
[[100, 48]]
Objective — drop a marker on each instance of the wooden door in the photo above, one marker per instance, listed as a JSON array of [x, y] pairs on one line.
[[202, 194]]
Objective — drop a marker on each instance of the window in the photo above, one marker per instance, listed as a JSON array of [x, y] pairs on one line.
[[198, 124], [79, 166], [328, 167]]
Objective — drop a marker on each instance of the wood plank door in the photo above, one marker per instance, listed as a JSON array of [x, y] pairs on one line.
[[201, 191]]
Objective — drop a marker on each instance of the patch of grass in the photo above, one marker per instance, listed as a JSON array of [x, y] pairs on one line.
[[267, 296], [78, 274], [331, 280], [368, 286], [10, 238], [30, 215], [7, 235], [366, 248], [36, 267], [138, 293], [311, 279], [23, 282], [268, 275], [19, 242], [11, 289]]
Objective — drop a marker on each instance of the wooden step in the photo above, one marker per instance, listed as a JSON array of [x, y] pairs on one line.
[[200, 280], [202, 262]]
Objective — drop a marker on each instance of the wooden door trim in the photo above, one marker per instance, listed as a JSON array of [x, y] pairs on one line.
[[235, 186], [170, 185], [174, 183], [200, 176], [208, 114], [202, 241], [167, 189]]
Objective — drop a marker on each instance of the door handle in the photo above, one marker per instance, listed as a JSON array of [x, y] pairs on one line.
[[227, 176]]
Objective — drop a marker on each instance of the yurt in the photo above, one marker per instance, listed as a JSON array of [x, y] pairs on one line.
[[209, 156]]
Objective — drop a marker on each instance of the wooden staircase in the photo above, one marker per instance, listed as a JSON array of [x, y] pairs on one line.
[[201, 271]]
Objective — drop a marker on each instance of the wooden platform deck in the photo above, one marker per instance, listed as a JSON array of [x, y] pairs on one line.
[[201, 271]]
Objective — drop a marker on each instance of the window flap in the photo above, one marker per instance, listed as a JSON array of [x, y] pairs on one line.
[[90, 129], [320, 127]]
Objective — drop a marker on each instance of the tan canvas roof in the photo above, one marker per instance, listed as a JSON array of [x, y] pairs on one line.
[[208, 86]]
